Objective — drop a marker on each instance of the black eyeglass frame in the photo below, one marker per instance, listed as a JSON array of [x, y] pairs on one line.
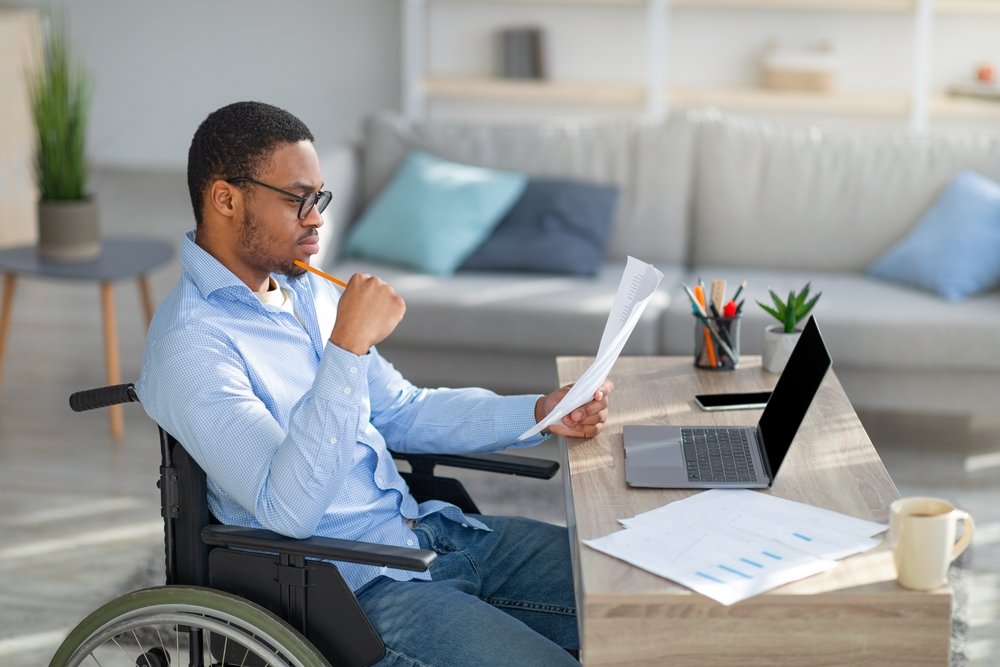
[[320, 199]]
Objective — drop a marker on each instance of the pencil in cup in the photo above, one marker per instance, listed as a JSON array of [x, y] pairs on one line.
[[724, 333]]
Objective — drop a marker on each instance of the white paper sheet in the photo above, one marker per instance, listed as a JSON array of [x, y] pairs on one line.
[[733, 544], [637, 286]]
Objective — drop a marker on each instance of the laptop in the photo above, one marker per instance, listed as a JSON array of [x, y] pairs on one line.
[[689, 457]]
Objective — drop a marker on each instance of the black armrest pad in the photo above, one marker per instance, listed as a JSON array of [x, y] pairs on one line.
[[329, 548], [509, 464]]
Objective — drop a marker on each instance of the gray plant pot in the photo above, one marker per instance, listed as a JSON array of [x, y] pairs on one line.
[[68, 231]]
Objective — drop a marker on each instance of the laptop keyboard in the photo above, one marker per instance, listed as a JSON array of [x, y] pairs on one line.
[[717, 455]]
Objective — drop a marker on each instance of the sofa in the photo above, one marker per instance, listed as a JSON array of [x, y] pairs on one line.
[[704, 194]]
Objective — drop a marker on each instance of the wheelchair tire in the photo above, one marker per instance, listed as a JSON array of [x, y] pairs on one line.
[[143, 627]]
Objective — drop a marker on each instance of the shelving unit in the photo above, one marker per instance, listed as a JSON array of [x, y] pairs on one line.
[[914, 106]]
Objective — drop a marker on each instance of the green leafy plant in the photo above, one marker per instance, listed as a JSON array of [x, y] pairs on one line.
[[60, 103], [794, 309]]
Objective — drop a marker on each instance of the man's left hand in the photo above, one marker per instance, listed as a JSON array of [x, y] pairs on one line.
[[585, 421]]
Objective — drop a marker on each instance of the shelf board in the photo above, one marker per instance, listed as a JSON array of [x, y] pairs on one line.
[[803, 5], [960, 106], [967, 6], [766, 100], [486, 88]]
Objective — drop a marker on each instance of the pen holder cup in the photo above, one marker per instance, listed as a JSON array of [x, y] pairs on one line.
[[717, 343]]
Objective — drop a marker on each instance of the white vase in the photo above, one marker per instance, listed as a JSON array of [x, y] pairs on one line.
[[778, 346]]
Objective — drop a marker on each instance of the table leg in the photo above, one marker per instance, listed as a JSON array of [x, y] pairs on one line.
[[115, 415], [147, 301], [10, 280]]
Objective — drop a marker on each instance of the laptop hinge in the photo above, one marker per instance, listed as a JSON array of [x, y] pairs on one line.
[[763, 456]]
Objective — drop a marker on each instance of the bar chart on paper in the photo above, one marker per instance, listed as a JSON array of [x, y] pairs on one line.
[[733, 544]]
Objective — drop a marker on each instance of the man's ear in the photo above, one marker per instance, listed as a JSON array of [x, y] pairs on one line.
[[225, 198]]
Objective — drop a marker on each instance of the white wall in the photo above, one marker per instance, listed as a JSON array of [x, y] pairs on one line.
[[160, 67]]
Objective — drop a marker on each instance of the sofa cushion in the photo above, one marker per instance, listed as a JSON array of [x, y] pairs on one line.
[[649, 163], [537, 314], [954, 250], [434, 213], [867, 323], [557, 226], [794, 196]]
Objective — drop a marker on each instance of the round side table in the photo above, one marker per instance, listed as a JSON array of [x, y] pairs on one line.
[[120, 258]]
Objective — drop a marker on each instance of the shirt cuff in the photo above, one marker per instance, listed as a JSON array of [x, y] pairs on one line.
[[521, 418], [342, 375]]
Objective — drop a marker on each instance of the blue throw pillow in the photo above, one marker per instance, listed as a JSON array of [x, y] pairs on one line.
[[557, 226], [434, 213], [954, 250]]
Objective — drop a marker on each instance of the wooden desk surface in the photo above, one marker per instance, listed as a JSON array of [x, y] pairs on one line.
[[852, 615]]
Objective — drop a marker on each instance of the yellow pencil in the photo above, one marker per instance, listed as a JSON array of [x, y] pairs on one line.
[[321, 274]]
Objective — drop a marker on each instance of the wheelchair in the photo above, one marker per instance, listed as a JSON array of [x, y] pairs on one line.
[[248, 597]]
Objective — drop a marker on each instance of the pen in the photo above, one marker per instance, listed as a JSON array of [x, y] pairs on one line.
[[321, 274]]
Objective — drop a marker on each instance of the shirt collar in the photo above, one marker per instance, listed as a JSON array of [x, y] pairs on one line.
[[210, 275]]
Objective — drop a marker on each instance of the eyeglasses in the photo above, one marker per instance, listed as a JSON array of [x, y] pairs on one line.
[[320, 199]]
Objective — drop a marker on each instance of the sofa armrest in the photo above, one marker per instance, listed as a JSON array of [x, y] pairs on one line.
[[341, 167], [366, 553]]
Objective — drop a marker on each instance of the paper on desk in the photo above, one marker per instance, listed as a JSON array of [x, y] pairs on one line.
[[733, 544], [637, 286]]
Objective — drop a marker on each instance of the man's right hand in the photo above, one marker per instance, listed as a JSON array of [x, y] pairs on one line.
[[368, 312]]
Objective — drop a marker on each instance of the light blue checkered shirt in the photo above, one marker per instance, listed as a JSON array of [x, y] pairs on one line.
[[292, 431]]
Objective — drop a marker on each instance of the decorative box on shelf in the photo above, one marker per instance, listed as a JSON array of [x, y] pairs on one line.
[[785, 68]]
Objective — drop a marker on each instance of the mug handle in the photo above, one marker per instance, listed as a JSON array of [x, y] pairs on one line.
[[963, 542]]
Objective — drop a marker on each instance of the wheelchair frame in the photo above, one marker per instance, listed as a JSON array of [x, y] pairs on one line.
[[252, 578]]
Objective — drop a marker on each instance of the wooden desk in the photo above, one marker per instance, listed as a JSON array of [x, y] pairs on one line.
[[120, 258], [855, 614]]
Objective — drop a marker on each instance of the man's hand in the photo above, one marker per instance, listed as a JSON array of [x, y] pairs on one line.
[[584, 422], [368, 312]]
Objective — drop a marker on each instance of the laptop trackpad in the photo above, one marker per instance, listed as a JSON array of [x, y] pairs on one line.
[[654, 455]]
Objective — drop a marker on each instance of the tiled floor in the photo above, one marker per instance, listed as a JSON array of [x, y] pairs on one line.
[[79, 514]]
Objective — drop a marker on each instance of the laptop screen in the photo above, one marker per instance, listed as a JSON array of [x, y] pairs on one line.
[[793, 394]]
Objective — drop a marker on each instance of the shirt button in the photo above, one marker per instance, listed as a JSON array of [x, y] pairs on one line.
[[409, 543], [352, 370], [333, 440], [347, 391]]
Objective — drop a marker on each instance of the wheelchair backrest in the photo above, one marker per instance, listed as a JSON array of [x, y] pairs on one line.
[[184, 506]]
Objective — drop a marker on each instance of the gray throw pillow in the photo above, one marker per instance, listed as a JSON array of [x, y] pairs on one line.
[[557, 226]]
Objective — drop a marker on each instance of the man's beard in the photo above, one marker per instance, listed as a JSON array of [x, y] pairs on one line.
[[254, 242]]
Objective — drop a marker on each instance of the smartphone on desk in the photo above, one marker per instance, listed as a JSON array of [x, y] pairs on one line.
[[738, 401]]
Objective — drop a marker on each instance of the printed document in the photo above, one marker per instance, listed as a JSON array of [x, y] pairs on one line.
[[637, 286], [732, 544]]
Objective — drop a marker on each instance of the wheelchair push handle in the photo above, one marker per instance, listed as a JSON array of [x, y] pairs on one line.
[[102, 397]]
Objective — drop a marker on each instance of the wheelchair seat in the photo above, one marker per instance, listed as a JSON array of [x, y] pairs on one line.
[[245, 596]]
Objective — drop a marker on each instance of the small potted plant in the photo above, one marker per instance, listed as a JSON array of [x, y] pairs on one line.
[[780, 339], [60, 102]]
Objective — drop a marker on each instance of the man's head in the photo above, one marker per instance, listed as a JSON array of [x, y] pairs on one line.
[[255, 185], [236, 141]]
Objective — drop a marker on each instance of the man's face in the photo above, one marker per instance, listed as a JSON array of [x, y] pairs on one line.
[[272, 235]]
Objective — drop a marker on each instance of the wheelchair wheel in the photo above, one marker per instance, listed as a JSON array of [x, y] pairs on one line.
[[182, 626]]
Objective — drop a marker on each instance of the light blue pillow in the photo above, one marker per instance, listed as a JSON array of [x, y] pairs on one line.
[[434, 213], [954, 250]]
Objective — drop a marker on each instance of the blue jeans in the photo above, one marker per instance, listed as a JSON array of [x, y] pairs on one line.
[[497, 598]]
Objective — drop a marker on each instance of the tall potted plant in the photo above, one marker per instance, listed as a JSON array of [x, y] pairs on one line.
[[780, 339], [60, 103]]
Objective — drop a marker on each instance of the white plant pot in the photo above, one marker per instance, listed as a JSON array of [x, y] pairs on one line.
[[778, 346]]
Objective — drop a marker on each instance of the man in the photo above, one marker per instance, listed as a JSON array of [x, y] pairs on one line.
[[271, 380]]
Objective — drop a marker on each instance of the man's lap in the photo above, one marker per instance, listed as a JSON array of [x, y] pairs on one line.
[[500, 597]]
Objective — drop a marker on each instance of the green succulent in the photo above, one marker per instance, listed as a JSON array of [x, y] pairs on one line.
[[794, 309], [60, 101]]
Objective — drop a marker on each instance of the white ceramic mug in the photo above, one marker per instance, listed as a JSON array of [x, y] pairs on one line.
[[922, 534]]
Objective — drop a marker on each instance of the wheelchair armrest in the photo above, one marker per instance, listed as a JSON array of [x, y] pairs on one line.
[[367, 553], [509, 464]]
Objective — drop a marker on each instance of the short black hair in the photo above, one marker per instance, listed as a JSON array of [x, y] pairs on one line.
[[237, 140]]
